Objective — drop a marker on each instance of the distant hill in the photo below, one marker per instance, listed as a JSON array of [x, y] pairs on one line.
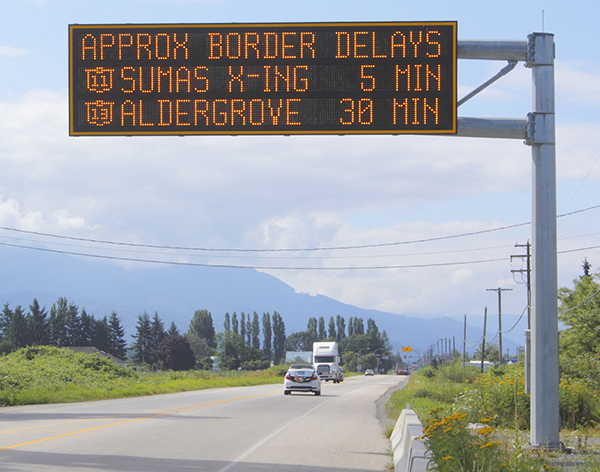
[[175, 292]]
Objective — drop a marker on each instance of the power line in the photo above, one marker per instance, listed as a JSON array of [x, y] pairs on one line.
[[332, 248], [231, 266]]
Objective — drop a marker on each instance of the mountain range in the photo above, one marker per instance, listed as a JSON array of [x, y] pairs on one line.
[[176, 292]]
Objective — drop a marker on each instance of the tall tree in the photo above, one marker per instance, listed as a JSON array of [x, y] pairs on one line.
[[278, 338], [19, 333], [39, 324], [350, 326], [341, 328], [248, 330], [311, 331], [267, 334], [142, 345], [322, 333], [235, 326], [359, 326], [5, 321], [101, 335], [243, 326], [227, 322], [157, 334], [116, 336], [332, 331], [202, 326], [255, 331], [58, 323]]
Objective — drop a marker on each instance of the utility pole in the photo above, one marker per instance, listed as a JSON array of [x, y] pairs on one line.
[[499, 290], [465, 341], [527, 272], [483, 342]]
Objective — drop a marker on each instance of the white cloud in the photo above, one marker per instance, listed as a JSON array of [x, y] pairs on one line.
[[578, 82], [7, 51]]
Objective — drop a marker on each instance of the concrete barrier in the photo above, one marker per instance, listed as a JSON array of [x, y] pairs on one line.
[[410, 453]]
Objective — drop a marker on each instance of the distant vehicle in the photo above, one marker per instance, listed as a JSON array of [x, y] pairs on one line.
[[302, 378], [341, 374], [402, 372], [369, 372], [326, 359]]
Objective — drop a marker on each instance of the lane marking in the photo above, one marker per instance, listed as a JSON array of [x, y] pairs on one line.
[[180, 410], [263, 441]]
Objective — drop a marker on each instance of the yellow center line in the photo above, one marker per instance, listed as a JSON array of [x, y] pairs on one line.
[[194, 407]]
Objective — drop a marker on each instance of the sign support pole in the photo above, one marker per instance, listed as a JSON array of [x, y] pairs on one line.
[[538, 131], [545, 419]]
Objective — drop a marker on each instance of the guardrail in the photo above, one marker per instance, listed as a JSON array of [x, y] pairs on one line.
[[410, 453]]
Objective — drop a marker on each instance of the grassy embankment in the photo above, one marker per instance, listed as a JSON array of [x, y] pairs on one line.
[[45, 374], [496, 407]]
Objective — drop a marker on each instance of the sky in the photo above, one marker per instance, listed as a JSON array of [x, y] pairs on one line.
[[398, 211]]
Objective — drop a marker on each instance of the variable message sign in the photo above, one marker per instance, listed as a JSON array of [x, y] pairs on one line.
[[301, 78]]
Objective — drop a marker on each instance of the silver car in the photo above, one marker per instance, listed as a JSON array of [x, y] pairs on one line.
[[302, 378]]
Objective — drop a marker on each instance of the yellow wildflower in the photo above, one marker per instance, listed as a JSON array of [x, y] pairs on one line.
[[447, 458], [485, 431], [489, 443]]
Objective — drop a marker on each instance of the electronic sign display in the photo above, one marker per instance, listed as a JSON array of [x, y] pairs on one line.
[[298, 78]]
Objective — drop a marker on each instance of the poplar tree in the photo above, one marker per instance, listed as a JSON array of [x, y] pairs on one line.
[[278, 338], [267, 334]]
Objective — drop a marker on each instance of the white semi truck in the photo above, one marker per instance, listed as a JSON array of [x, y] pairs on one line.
[[326, 359]]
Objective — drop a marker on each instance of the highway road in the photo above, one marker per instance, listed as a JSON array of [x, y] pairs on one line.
[[234, 429]]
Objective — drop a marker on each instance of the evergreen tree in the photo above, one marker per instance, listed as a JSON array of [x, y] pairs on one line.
[[157, 334], [142, 344], [73, 326], [39, 324], [58, 323], [227, 322], [5, 321], [116, 336], [19, 333], [87, 326], [580, 313], [202, 326], [322, 333], [173, 330], [255, 331], [101, 335], [278, 338], [267, 334]]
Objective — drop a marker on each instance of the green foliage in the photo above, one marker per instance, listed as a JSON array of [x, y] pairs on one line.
[[580, 312], [175, 353], [47, 368], [454, 446], [46, 374]]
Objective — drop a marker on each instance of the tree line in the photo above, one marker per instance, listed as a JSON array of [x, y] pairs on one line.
[[64, 326], [247, 342]]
